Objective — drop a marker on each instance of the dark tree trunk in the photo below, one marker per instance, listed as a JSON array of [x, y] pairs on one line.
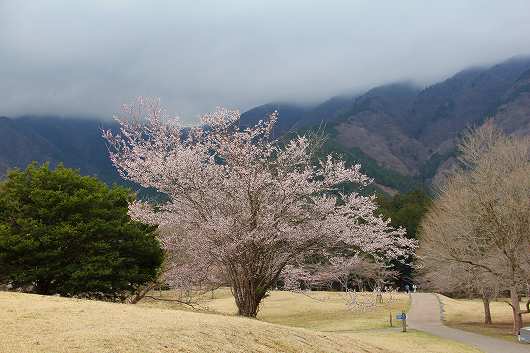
[[249, 287], [487, 311], [251, 279], [248, 297], [249, 305]]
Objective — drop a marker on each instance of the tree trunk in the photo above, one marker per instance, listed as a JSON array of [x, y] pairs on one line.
[[516, 309], [248, 296], [247, 300], [141, 293], [487, 311], [248, 306]]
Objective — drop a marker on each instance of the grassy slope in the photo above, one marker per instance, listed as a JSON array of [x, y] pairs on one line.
[[322, 311], [32, 323], [468, 314]]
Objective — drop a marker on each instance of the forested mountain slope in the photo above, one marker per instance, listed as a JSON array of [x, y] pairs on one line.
[[403, 135]]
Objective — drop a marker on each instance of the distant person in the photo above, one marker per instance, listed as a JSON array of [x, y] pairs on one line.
[[407, 288], [414, 287]]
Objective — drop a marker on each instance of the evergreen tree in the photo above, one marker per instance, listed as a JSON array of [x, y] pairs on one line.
[[405, 210], [63, 233]]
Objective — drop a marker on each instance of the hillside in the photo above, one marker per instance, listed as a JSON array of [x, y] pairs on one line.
[[372, 125], [51, 324], [403, 136], [33, 323], [290, 115], [75, 142], [413, 131], [513, 114]]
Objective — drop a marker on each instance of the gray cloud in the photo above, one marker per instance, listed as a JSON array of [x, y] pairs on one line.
[[89, 57]]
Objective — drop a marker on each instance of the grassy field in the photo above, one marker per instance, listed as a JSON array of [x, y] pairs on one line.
[[322, 311], [468, 314], [32, 323]]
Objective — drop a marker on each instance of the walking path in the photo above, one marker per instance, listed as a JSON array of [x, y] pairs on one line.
[[424, 315]]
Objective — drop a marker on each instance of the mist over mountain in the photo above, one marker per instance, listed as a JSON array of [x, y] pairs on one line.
[[402, 134]]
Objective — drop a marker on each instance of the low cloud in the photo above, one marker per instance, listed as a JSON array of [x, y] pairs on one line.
[[89, 57]]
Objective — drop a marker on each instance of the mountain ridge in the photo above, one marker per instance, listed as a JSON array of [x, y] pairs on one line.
[[403, 134]]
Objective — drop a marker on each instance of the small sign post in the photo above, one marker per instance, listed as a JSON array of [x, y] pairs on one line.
[[403, 318]]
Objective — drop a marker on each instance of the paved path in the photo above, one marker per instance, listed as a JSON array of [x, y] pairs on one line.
[[424, 315]]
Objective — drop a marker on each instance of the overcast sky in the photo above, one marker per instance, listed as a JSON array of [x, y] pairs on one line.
[[88, 57]]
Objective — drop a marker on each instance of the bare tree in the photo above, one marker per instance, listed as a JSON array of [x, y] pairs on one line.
[[460, 279], [481, 217]]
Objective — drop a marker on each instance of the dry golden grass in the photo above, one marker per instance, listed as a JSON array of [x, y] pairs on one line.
[[322, 311], [32, 323], [468, 314]]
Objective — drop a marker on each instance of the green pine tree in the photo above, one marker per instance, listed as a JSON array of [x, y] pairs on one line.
[[63, 233]]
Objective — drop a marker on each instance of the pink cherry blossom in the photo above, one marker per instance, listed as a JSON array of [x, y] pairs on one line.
[[242, 206]]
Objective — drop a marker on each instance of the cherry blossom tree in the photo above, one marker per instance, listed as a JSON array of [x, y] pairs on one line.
[[247, 207]]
